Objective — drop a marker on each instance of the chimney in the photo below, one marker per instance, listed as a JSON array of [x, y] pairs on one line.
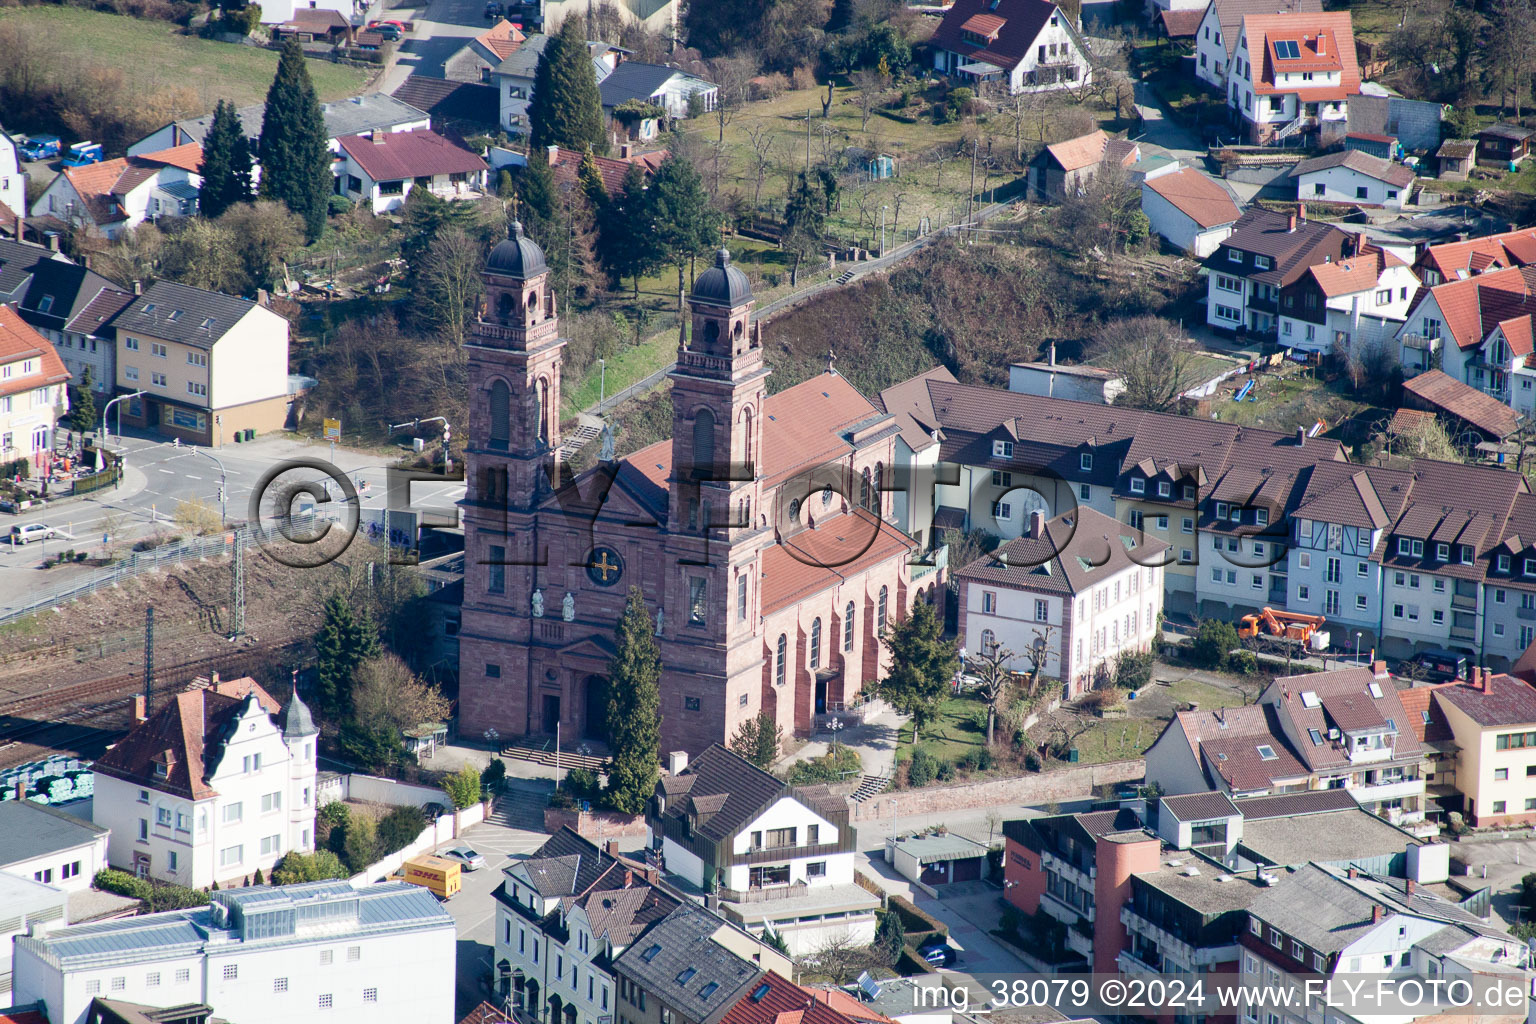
[[1053, 353], [552, 155], [1353, 872], [677, 760], [626, 151], [652, 875], [140, 709], [1322, 45], [1376, 914], [1037, 523], [138, 287], [20, 226], [1379, 669], [213, 678], [21, 791], [1301, 213], [1412, 885], [611, 847], [53, 240], [379, 137], [1290, 223], [1301, 437]]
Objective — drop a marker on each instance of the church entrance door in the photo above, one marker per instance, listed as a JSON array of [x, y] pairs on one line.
[[551, 712], [595, 725]]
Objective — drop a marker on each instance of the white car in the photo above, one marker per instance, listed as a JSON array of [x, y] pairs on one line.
[[29, 532], [464, 855]]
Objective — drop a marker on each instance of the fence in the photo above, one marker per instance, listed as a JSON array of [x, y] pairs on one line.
[[133, 565]]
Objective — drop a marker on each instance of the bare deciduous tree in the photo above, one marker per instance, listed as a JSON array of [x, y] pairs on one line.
[[449, 282], [1153, 359], [869, 85], [995, 679], [760, 140], [386, 690]]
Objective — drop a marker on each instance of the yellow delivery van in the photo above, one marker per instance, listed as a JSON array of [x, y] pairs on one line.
[[437, 875]]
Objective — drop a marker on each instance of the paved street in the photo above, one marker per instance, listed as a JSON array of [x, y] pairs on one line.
[[442, 28], [159, 476]]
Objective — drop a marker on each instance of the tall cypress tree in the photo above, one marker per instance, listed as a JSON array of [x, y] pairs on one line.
[[591, 181], [346, 639], [684, 224], [627, 245], [226, 166], [537, 201], [295, 161], [566, 109], [634, 709]]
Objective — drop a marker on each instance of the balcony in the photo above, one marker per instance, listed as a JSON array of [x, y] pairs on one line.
[[1525, 613], [1398, 790], [1422, 342], [1079, 943], [1263, 305], [1463, 633], [1130, 963], [1467, 601]]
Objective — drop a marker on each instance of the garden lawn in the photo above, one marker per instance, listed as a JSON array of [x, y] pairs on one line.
[[1203, 694], [1286, 403], [1115, 739], [154, 55], [961, 728]]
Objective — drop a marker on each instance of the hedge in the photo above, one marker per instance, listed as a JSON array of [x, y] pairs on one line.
[[909, 963], [914, 921], [124, 884]]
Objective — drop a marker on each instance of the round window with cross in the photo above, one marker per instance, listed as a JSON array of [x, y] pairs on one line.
[[604, 566]]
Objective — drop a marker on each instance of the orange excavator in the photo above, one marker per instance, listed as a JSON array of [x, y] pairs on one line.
[[1289, 625]]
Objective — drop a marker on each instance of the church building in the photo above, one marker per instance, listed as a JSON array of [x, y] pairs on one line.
[[757, 533]]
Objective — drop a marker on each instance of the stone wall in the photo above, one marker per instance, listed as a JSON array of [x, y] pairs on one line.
[[1035, 788], [594, 825]]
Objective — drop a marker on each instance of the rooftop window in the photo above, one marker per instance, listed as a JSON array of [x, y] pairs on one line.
[[686, 975], [1286, 49], [708, 990], [1267, 752], [650, 952]]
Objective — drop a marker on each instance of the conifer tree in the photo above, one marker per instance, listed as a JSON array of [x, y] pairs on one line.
[[923, 664], [82, 403], [627, 244], [591, 181], [226, 166], [684, 224], [634, 709], [295, 160], [346, 639], [538, 201], [566, 108]]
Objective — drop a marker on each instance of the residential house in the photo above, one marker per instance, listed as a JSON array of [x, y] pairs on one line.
[[1455, 159], [1189, 209], [1021, 45], [1469, 414], [456, 108], [1504, 145], [74, 309], [937, 859], [691, 968], [1216, 45], [1478, 330], [565, 165], [1065, 168], [1351, 731], [776, 1000], [780, 857], [1078, 381], [306, 953], [1354, 304], [355, 115], [208, 365], [474, 61], [315, 25], [279, 12], [514, 76], [670, 90], [112, 196], [1240, 751], [33, 397], [50, 846], [1355, 177], [1384, 147], [215, 784], [379, 170], [27, 904], [1083, 586], [1492, 720], [562, 916], [13, 184], [1265, 252], [19, 260], [1468, 257], [1328, 925], [1291, 77], [913, 509]]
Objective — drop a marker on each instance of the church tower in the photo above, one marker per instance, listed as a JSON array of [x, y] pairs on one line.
[[716, 523], [514, 379]]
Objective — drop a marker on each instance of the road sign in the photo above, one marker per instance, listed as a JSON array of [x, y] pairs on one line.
[[332, 430]]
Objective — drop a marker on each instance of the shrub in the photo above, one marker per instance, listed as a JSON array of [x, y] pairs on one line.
[[307, 867], [494, 776], [803, 77], [830, 767], [1243, 663], [945, 772], [1100, 700], [977, 761], [176, 897], [1133, 669], [582, 784], [923, 767], [1213, 644], [1032, 761], [122, 883], [399, 828], [914, 919], [337, 206]]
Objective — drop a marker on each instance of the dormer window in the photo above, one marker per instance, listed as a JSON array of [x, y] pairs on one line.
[[1442, 552], [1164, 489], [1002, 449], [1189, 492], [161, 769], [1528, 566], [1235, 515], [1503, 563], [1466, 554], [1234, 256], [1261, 516], [1085, 460], [1261, 263], [1221, 510], [1138, 485]]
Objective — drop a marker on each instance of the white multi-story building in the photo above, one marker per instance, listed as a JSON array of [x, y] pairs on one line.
[[13, 182], [778, 857], [304, 954], [1082, 586], [33, 397], [1353, 303], [1023, 45], [1291, 76], [1216, 39], [50, 846], [215, 784]]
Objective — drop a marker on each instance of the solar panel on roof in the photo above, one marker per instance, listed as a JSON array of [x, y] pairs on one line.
[[1286, 49]]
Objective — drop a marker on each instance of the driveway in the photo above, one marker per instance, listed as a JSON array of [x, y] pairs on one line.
[[1160, 129], [441, 30], [968, 908]]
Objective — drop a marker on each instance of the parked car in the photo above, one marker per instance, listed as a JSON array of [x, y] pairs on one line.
[[390, 30], [493, 10], [938, 953], [1437, 666], [38, 147], [82, 154], [464, 856], [29, 532]]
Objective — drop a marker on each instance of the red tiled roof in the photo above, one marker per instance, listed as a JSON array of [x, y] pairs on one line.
[[1425, 719], [502, 39], [1356, 274], [485, 1013], [815, 559], [1083, 151], [180, 734], [1473, 307], [983, 25], [315, 21], [1506, 701], [189, 155], [846, 1004], [1195, 195], [94, 184], [19, 341], [1333, 32], [24, 1017], [566, 165], [782, 998], [1446, 393], [1021, 21], [1372, 137], [1454, 260], [409, 154], [1183, 24]]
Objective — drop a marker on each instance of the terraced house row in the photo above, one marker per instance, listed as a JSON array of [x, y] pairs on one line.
[[1434, 555]]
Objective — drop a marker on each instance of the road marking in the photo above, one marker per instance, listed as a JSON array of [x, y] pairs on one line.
[[172, 472], [189, 476]]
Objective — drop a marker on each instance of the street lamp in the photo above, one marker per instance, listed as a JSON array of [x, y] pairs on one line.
[[1358, 635], [834, 725], [602, 380], [882, 229], [893, 819], [223, 479], [108, 408]]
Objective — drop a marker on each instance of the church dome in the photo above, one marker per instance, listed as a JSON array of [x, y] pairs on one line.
[[516, 256], [722, 284]]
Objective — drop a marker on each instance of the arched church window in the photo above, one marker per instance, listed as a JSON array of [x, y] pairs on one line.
[[816, 643], [746, 437], [711, 332], [864, 489], [885, 592], [878, 500], [542, 411], [794, 508], [533, 302], [848, 627], [506, 305], [703, 443], [500, 403], [781, 655]]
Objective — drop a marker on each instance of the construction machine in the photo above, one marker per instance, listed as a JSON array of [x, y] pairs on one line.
[[1308, 629]]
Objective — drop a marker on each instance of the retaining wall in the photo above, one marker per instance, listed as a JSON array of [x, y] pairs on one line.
[[1035, 788], [594, 825], [440, 831]]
